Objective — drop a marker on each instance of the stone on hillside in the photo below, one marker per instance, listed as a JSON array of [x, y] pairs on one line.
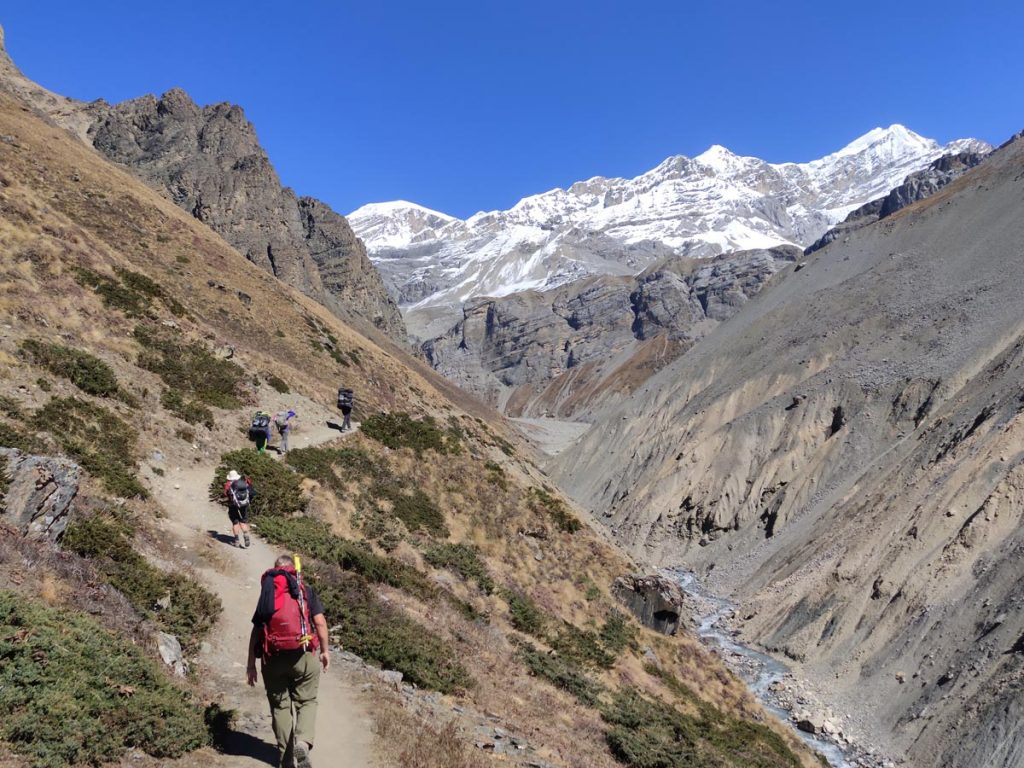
[[654, 600], [40, 495], [170, 652]]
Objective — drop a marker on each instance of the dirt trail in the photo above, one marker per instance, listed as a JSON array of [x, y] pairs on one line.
[[344, 735]]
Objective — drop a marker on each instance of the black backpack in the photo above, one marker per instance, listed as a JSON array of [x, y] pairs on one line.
[[345, 398], [240, 495]]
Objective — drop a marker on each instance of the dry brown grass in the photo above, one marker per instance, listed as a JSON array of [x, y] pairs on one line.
[[412, 742]]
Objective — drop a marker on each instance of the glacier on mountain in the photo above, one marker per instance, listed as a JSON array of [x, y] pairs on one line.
[[712, 203]]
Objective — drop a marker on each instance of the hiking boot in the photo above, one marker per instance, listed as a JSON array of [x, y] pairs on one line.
[[238, 542], [247, 541], [302, 755]]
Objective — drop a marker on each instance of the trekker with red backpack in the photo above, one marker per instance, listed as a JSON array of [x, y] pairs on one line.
[[289, 635]]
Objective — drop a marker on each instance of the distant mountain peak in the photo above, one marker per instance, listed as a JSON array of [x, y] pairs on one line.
[[716, 202]]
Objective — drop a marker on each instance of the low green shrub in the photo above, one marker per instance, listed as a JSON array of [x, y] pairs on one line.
[[278, 489], [85, 371], [381, 633], [618, 633], [97, 438], [278, 384], [9, 408], [583, 647], [115, 294], [524, 613], [314, 538], [561, 672], [400, 430], [189, 367], [463, 559], [132, 294], [12, 436], [416, 510], [73, 693], [496, 475], [109, 542], [189, 411], [544, 503], [333, 467], [649, 733]]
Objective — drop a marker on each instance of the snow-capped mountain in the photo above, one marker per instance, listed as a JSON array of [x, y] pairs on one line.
[[701, 206]]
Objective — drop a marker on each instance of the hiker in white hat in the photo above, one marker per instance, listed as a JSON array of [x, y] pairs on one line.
[[239, 493]]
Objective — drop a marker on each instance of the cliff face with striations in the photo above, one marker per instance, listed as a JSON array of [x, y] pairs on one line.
[[208, 160], [567, 350]]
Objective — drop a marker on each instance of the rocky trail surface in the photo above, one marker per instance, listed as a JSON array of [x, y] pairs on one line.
[[201, 528]]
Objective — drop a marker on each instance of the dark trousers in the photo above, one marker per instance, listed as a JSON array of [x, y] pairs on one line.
[[346, 411]]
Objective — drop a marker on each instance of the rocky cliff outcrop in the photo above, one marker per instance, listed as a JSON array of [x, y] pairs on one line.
[[917, 186], [559, 352], [209, 161], [655, 601], [38, 492]]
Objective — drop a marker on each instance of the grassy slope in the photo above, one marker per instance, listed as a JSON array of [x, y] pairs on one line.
[[62, 209]]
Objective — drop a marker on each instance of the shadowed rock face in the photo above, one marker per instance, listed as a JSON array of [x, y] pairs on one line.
[[555, 352], [655, 601], [209, 162], [844, 456]]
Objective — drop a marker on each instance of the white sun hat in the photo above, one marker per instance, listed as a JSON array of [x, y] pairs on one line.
[[232, 476]]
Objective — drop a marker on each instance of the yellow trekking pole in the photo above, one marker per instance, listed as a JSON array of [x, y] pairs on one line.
[[306, 637]]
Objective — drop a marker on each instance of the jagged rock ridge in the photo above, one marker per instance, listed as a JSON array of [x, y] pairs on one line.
[[563, 352]]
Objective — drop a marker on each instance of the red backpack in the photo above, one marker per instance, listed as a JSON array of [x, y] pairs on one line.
[[290, 627]]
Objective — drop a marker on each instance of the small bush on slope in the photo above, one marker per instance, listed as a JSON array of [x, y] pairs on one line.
[[524, 613], [133, 294], [561, 672], [189, 367], [464, 559], [315, 539], [333, 467], [85, 371], [278, 489], [108, 541], [96, 437], [543, 502], [400, 430], [649, 733], [382, 633], [73, 693]]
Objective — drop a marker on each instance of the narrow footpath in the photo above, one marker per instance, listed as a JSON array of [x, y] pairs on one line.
[[201, 528]]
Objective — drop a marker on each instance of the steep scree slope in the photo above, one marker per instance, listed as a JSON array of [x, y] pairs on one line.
[[844, 456]]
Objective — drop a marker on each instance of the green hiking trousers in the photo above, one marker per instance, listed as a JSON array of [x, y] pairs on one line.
[[292, 679]]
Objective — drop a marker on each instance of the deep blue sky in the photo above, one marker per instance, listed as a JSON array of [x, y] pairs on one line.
[[473, 104]]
